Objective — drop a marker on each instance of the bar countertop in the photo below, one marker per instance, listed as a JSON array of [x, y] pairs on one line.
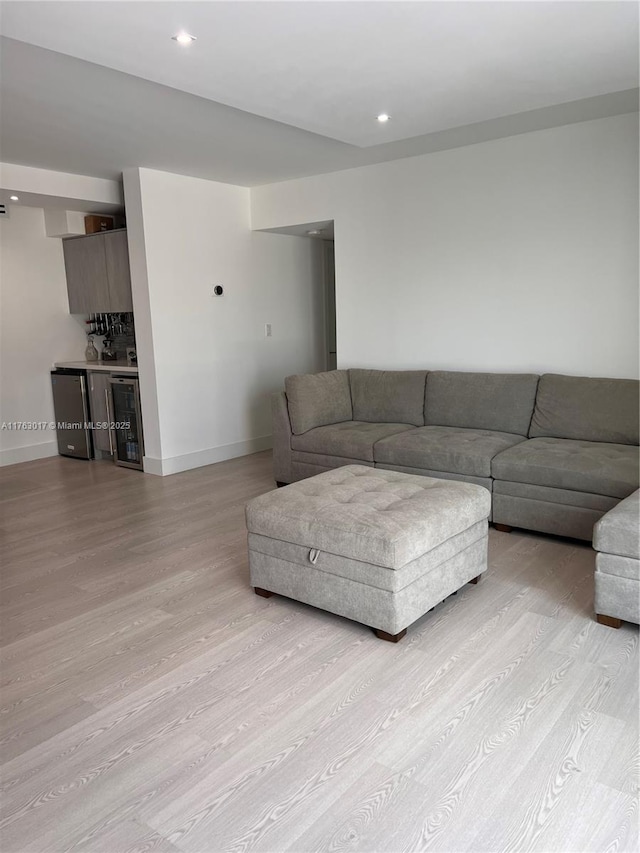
[[102, 366]]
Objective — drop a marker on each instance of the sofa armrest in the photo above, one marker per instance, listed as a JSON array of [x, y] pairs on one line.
[[281, 438]]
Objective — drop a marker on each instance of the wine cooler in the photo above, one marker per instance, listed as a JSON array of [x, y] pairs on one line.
[[126, 427]]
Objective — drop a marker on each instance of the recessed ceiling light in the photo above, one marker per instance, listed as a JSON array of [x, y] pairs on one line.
[[14, 198], [183, 38], [383, 117]]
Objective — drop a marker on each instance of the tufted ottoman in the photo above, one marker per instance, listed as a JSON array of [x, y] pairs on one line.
[[380, 547]]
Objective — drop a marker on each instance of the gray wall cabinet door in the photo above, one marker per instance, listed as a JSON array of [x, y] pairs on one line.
[[98, 277], [118, 275], [87, 283], [100, 411]]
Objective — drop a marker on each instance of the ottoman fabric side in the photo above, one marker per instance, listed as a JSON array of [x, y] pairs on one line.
[[617, 579], [619, 567], [616, 596], [391, 580], [377, 608]]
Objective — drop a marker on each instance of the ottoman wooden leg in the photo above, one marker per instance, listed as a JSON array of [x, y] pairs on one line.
[[390, 638], [503, 528], [280, 484], [263, 592], [610, 621], [476, 579]]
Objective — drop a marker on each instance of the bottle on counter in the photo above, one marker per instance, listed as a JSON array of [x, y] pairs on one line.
[[90, 353], [107, 353]]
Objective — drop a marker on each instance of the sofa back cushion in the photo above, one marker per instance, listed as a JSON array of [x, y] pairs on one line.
[[586, 409], [496, 401], [318, 399], [388, 396]]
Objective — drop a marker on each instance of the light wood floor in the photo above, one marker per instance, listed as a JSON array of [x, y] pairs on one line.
[[150, 701]]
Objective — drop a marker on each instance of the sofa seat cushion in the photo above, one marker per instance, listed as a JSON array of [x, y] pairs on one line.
[[582, 466], [618, 532], [436, 448], [352, 439]]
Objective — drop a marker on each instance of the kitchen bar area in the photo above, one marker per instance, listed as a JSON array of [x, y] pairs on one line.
[[97, 411], [97, 400]]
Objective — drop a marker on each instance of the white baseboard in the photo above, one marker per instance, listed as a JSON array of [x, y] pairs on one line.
[[28, 453], [175, 464]]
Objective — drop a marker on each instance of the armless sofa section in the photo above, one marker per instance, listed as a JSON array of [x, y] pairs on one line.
[[616, 538], [556, 452]]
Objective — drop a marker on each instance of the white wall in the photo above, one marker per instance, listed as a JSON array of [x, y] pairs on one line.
[[36, 329], [206, 367], [515, 254]]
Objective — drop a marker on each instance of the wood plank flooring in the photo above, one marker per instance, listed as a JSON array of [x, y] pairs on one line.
[[151, 702]]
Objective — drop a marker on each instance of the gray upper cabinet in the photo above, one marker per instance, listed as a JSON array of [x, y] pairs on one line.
[[87, 285], [118, 275], [98, 278]]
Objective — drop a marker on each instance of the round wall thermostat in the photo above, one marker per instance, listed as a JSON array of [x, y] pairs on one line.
[[218, 290]]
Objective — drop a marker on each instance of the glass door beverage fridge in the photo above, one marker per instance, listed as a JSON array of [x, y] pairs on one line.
[[128, 445]]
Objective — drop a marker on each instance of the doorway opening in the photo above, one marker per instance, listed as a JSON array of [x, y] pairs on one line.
[[329, 276], [322, 233]]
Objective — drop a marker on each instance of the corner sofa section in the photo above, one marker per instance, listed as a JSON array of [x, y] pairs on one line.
[[557, 452], [580, 461]]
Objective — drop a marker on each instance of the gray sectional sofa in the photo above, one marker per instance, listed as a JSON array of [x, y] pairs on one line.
[[556, 452]]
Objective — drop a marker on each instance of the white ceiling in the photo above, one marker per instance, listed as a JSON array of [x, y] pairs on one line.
[[273, 90], [332, 67]]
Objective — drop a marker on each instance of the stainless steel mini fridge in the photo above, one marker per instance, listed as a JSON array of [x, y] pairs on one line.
[[127, 439], [71, 407]]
